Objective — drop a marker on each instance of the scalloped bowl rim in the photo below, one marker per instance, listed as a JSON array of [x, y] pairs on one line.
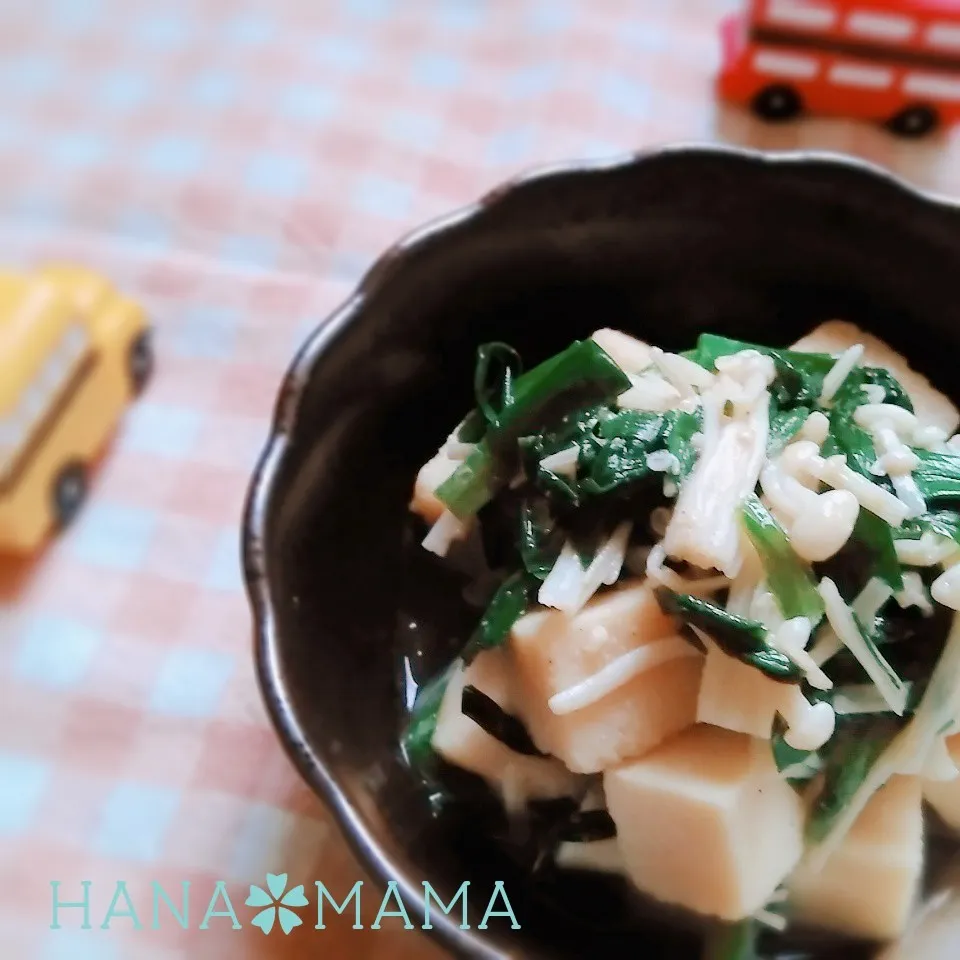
[[259, 497]]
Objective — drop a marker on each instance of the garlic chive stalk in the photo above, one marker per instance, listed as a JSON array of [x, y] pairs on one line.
[[860, 698], [888, 423]]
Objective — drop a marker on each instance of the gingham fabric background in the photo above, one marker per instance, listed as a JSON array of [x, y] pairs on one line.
[[236, 167]]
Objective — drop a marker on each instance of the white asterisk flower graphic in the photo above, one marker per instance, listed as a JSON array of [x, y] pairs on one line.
[[276, 903]]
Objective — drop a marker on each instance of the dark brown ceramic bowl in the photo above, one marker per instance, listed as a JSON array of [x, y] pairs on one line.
[[664, 245]]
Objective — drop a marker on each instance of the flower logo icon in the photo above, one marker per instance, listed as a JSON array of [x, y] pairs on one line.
[[276, 903]]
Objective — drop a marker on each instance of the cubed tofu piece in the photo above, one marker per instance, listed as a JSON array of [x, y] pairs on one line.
[[553, 652], [628, 353], [944, 795], [706, 823], [737, 696], [931, 406], [869, 885], [462, 742], [431, 475]]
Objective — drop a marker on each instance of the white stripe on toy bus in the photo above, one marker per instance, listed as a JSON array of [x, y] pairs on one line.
[[855, 75], [785, 65], [14, 433], [817, 16], [932, 85], [880, 26], [944, 35]]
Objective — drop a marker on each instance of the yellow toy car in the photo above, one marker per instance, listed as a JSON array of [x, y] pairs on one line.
[[73, 353]]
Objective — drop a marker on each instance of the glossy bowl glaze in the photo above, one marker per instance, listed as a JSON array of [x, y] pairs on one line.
[[664, 245]]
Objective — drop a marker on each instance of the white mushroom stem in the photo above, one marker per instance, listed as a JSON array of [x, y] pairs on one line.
[[859, 699], [602, 856], [620, 672], [568, 586], [455, 449], [866, 606], [815, 428], [870, 416], [909, 750], [840, 371], [650, 392], [889, 424], [803, 458], [819, 523], [662, 461], [870, 600], [914, 594], [909, 493], [946, 588], [770, 919], [929, 550], [628, 353], [896, 458], [845, 626], [657, 571], [810, 725], [444, 532], [684, 374], [791, 638], [835, 472], [784, 491], [907, 426]]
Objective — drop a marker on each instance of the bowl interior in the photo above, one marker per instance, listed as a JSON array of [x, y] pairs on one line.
[[664, 247]]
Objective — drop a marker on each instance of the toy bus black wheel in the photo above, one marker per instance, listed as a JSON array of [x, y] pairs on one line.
[[69, 493], [140, 362], [777, 103], [914, 121]]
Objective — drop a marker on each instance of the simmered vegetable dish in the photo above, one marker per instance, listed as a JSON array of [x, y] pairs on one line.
[[716, 603]]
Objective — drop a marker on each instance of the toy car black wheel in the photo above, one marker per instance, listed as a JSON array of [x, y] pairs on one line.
[[140, 361], [915, 121], [69, 493], [777, 102]]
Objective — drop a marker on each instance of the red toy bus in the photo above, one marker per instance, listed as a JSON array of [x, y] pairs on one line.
[[892, 61]]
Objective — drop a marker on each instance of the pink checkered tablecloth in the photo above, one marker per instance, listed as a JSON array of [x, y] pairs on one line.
[[236, 166]]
